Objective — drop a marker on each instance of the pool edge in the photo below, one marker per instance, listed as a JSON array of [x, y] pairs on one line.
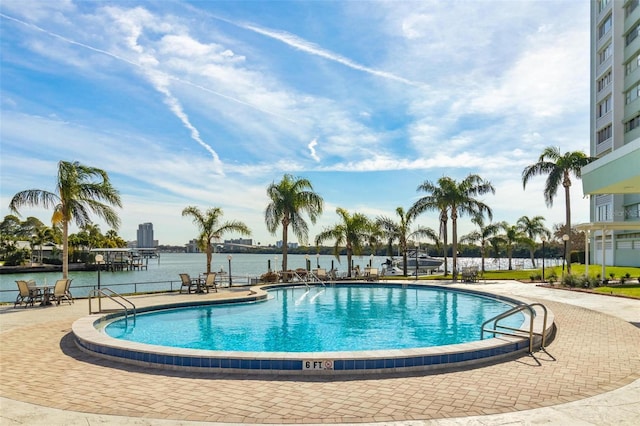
[[431, 359]]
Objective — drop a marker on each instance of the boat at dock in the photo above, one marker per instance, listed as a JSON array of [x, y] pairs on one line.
[[417, 262]]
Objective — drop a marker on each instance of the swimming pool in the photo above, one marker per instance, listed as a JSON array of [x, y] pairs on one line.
[[412, 302], [322, 319]]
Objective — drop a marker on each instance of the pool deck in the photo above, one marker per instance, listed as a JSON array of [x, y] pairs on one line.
[[594, 378]]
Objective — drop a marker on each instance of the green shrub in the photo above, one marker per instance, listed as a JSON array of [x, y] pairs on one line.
[[572, 281], [17, 258]]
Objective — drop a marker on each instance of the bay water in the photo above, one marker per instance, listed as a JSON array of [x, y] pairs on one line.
[[162, 272]]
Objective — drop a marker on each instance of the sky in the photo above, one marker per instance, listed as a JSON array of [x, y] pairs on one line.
[[207, 103]]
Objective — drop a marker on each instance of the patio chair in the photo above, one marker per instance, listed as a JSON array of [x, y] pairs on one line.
[[68, 290], [372, 274], [321, 273], [189, 283], [210, 282], [27, 295], [60, 292]]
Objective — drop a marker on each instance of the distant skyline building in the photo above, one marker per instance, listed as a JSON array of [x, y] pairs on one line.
[[192, 246], [145, 236], [291, 245], [613, 180]]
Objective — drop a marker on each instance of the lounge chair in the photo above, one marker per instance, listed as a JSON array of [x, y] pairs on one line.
[[371, 274], [60, 291], [68, 290], [210, 282], [321, 273], [189, 283], [27, 293]]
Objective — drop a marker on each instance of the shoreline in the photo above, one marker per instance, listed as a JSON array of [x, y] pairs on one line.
[[44, 268]]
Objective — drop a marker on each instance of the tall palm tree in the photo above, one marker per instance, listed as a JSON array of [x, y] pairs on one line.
[[353, 232], [533, 227], [210, 228], [290, 198], [401, 231], [482, 235], [436, 200], [459, 199], [80, 190], [559, 168]]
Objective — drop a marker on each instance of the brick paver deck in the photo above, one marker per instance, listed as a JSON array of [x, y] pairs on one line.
[[594, 353]]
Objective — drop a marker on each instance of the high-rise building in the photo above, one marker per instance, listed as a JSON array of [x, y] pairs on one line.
[[613, 180], [145, 235]]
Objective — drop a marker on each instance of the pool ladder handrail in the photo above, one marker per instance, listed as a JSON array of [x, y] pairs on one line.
[[99, 292], [515, 310], [314, 278]]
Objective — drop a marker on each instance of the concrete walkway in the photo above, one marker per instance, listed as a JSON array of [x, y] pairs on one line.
[[594, 379]]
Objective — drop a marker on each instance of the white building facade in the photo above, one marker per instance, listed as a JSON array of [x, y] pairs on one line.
[[613, 180]]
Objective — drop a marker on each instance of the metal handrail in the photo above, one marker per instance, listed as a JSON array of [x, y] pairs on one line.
[[99, 292], [512, 311], [316, 278]]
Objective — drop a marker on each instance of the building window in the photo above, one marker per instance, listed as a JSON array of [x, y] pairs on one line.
[[603, 213], [632, 124], [631, 35], [632, 94], [605, 54], [604, 81], [630, 7], [604, 107], [602, 4], [632, 65], [632, 212], [604, 27], [604, 134]]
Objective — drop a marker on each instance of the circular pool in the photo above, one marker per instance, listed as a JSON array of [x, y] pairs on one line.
[[345, 328]]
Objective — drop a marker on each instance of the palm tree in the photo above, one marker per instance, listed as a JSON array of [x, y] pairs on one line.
[[290, 198], [512, 235], [80, 190], [402, 232], [42, 235], [559, 168], [353, 232], [533, 228], [437, 200], [482, 235], [210, 228], [459, 199]]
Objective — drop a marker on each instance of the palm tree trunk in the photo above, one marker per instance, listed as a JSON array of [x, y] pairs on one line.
[[65, 249], [209, 256], [404, 258], [567, 202], [533, 258], [443, 231], [454, 243], [285, 249]]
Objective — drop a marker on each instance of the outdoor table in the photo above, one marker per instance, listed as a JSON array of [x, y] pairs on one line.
[[46, 294]]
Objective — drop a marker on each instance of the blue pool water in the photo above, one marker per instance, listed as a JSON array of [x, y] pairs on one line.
[[341, 318]]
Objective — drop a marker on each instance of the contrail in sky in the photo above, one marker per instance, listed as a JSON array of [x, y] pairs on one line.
[[312, 48], [305, 46], [137, 65]]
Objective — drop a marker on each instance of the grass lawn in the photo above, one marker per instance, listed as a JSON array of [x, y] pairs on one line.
[[631, 288]]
